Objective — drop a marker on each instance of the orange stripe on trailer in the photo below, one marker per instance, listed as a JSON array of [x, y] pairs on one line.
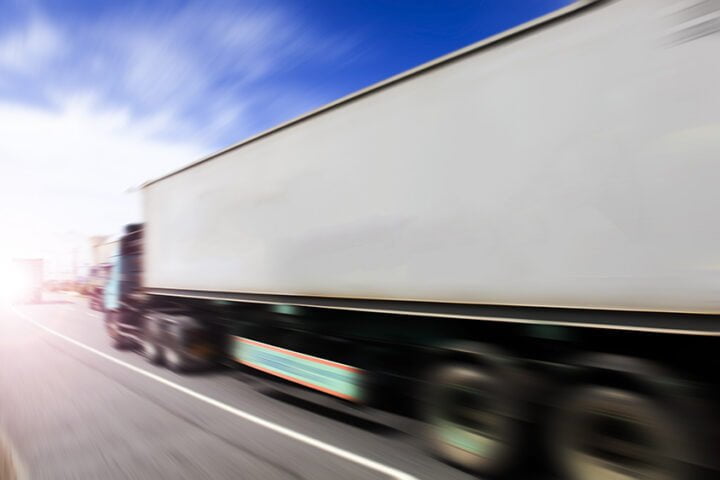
[[295, 380], [299, 355]]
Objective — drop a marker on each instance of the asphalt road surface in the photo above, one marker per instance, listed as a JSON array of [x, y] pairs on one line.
[[71, 407]]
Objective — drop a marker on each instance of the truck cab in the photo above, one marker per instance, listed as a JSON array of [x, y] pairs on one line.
[[124, 280]]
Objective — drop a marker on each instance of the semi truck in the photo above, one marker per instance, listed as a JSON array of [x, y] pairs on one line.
[[515, 245]]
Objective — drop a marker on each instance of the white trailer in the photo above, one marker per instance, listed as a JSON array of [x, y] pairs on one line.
[[573, 166], [516, 242]]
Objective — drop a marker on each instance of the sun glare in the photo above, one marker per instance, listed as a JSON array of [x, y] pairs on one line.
[[15, 282]]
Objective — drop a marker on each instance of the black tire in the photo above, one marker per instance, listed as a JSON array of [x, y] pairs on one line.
[[173, 350], [112, 327], [175, 359], [150, 347], [606, 433], [470, 418]]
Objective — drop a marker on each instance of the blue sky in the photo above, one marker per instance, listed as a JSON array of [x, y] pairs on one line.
[[97, 96], [223, 70]]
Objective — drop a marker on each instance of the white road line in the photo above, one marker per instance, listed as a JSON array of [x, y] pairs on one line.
[[300, 437]]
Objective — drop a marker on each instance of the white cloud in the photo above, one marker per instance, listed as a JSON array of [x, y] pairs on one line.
[[29, 46], [206, 65], [180, 60], [128, 98], [69, 171]]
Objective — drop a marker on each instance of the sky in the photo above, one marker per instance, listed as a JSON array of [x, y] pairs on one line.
[[97, 97]]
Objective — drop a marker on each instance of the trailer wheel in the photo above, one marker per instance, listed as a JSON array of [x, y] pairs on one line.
[[607, 433], [469, 421], [112, 326]]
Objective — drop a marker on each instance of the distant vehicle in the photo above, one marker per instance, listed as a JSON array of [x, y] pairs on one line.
[[97, 278], [515, 244], [26, 280]]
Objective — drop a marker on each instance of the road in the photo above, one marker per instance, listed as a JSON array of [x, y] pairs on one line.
[[71, 407]]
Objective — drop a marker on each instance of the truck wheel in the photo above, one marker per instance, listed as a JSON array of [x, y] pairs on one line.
[[173, 351], [175, 360], [607, 433], [149, 345], [112, 326], [151, 351], [468, 418]]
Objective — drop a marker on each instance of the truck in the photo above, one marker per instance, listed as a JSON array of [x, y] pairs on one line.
[[26, 282], [514, 246]]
